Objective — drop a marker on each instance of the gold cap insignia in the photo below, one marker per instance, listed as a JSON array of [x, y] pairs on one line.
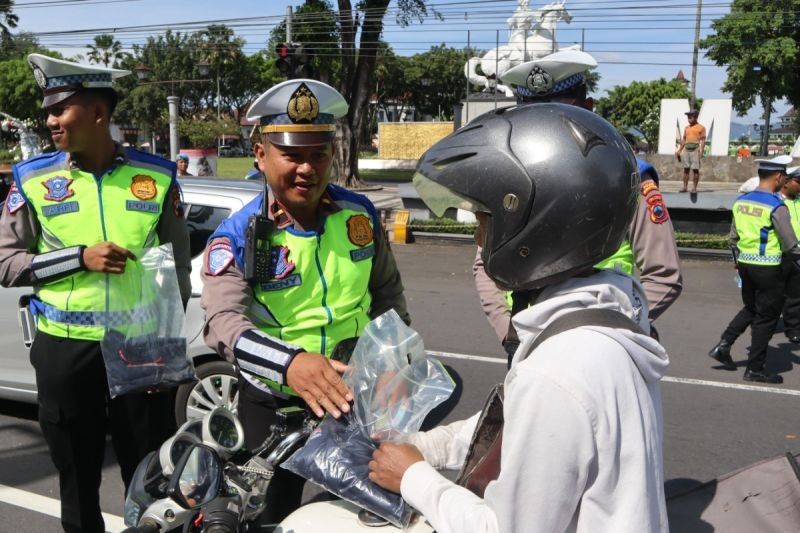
[[303, 106], [143, 187], [359, 230]]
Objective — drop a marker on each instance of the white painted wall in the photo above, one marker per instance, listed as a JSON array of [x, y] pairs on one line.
[[715, 115]]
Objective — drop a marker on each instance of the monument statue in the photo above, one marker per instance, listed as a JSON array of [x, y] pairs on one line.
[[532, 34], [28, 140]]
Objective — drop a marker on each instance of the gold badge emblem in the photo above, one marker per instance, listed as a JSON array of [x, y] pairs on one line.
[[143, 187], [359, 230], [303, 106]]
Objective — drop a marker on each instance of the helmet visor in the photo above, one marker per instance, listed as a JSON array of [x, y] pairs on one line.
[[439, 198]]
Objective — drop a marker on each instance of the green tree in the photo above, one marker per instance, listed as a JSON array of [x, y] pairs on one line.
[[8, 21], [592, 80], [759, 44], [638, 105], [19, 94], [105, 51], [22, 44], [436, 81], [203, 131]]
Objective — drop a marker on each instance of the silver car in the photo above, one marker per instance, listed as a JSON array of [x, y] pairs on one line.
[[208, 203]]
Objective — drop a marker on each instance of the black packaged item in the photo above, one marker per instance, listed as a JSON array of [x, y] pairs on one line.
[[336, 457]]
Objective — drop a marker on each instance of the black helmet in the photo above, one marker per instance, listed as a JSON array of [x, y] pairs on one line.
[[559, 183]]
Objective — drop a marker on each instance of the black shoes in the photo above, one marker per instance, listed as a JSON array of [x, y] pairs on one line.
[[794, 338], [762, 377], [722, 353]]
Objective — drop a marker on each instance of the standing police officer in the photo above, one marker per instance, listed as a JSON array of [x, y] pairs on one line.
[[327, 270], [761, 233], [650, 245], [791, 309], [70, 222]]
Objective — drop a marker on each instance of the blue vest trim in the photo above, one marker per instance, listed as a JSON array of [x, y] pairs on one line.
[[163, 165], [37, 165], [92, 318], [646, 169]]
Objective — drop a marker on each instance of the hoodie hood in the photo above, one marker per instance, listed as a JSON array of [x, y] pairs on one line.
[[606, 289]]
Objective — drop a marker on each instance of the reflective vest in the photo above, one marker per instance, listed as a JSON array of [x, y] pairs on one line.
[[622, 260], [318, 291], [794, 214], [758, 243], [74, 208]]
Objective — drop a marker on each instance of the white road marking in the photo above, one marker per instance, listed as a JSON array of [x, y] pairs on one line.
[[667, 379], [48, 506]]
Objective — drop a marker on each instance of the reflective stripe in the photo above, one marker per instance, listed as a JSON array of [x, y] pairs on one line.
[[58, 262], [94, 318], [258, 370], [760, 259]]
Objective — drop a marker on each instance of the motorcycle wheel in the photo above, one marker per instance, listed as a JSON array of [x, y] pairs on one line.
[[217, 386]]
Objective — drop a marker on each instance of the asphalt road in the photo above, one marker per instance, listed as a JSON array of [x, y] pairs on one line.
[[713, 422]]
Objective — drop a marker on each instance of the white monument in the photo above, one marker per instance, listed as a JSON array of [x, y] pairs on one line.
[[715, 115], [532, 34], [28, 140]]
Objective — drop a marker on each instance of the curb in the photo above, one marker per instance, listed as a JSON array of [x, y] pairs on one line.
[[421, 237]]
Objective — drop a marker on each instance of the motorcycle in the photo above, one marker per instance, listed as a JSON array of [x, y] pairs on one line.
[[203, 480]]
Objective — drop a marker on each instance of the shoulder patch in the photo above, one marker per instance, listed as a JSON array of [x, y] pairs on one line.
[[655, 203], [14, 200], [219, 258]]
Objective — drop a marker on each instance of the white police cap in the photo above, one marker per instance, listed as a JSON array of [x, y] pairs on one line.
[[778, 163], [60, 79], [549, 75], [299, 112]]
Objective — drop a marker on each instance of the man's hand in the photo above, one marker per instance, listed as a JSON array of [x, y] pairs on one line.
[[107, 257], [318, 380], [390, 461]]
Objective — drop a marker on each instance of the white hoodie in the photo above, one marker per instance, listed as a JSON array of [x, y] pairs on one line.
[[582, 442]]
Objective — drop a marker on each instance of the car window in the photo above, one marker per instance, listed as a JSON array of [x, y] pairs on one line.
[[202, 220]]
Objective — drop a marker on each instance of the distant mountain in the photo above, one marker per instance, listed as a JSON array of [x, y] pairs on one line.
[[737, 130]]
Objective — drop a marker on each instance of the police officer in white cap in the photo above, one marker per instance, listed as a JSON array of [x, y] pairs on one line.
[[68, 228], [650, 247], [295, 273], [761, 238]]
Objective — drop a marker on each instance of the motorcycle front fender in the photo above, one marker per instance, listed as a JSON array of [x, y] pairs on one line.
[[339, 517]]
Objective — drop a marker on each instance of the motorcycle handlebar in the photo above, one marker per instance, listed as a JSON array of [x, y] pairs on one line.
[[144, 527]]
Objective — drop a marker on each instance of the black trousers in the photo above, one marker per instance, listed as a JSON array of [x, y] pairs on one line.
[[763, 296], [75, 412], [257, 413], [791, 308]]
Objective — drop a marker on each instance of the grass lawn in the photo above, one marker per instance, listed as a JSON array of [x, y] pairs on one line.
[[237, 167]]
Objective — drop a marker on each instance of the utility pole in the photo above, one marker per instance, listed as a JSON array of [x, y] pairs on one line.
[[289, 24], [693, 98]]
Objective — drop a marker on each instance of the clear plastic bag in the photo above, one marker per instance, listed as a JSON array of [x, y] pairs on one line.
[[395, 385], [143, 348]]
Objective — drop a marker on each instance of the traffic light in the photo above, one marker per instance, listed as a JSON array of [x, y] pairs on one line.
[[285, 54]]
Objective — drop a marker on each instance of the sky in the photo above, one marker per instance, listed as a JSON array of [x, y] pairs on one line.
[[632, 40]]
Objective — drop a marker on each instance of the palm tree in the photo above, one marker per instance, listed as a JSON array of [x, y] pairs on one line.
[[105, 50], [8, 20]]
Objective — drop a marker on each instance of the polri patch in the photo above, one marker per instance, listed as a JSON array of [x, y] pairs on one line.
[[656, 208], [58, 189], [143, 187], [145, 207], [53, 210], [219, 258], [279, 265], [359, 254], [359, 230], [14, 200]]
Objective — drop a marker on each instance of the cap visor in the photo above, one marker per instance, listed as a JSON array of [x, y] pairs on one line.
[[301, 139], [55, 98]]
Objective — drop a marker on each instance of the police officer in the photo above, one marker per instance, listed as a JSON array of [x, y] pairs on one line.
[[650, 246], [761, 233], [70, 224], [182, 161], [329, 272], [791, 309]]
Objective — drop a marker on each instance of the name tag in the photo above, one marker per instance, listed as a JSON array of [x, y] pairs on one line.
[[362, 253], [147, 207], [60, 209], [292, 281]]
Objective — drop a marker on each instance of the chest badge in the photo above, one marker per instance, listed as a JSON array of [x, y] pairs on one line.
[[359, 230], [280, 266], [143, 187], [58, 189]]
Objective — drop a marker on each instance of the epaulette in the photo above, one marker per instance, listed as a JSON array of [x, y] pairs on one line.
[[349, 199], [39, 164]]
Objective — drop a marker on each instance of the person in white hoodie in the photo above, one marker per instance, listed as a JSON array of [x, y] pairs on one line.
[[572, 441]]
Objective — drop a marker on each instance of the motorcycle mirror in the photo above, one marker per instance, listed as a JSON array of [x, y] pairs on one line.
[[197, 478]]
